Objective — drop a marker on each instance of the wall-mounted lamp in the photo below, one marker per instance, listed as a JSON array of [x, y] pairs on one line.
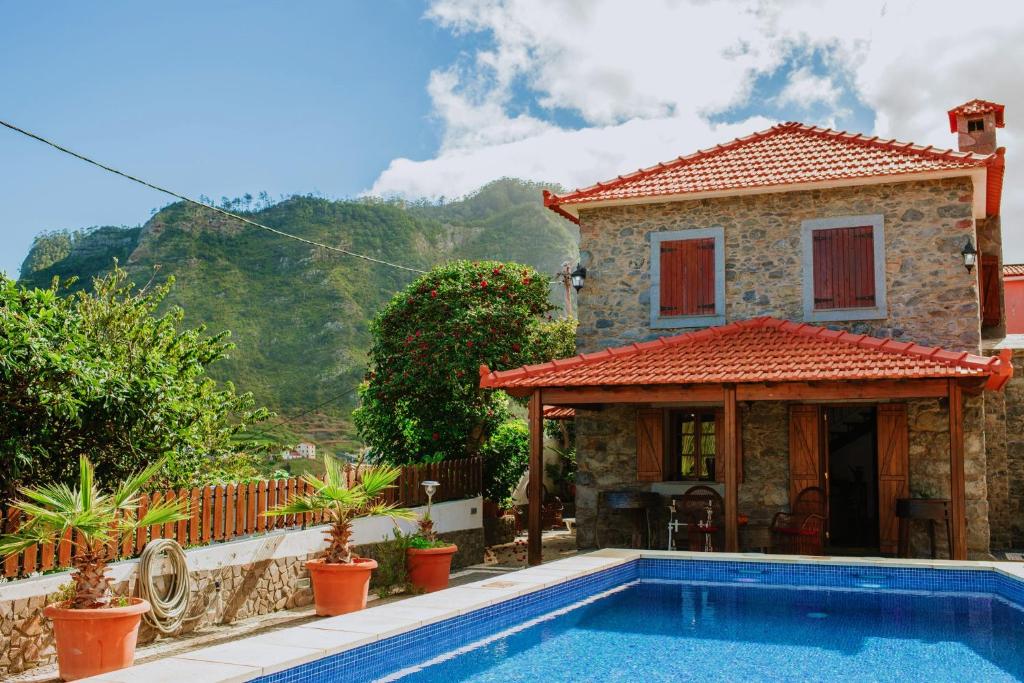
[[578, 276], [970, 255]]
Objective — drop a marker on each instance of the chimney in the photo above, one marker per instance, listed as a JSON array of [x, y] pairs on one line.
[[975, 123]]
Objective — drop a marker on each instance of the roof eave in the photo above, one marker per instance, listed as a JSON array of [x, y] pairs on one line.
[[978, 175]]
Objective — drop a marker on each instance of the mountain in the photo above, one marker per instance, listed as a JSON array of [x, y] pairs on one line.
[[298, 314]]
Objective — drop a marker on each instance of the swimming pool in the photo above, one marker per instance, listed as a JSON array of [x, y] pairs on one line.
[[668, 620]]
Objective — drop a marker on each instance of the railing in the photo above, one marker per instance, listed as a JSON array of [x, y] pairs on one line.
[[221, 513]]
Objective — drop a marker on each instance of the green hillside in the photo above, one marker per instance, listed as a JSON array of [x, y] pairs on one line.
[[299, 315]]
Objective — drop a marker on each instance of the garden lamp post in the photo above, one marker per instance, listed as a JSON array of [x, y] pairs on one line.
[[430, 486]]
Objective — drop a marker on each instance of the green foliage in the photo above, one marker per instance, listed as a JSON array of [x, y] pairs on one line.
[[104, 375], [506, 456], [392, 574], [343, 503], [298, 315], [94, 519], [422, 402]]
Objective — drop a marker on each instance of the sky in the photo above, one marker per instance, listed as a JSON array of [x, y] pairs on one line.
[[436, 98]]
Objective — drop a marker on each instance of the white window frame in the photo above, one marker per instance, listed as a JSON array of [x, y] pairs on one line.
[[877, 312], [659, 321]]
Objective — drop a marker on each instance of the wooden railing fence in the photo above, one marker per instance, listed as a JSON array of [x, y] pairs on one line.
[[224, 512]]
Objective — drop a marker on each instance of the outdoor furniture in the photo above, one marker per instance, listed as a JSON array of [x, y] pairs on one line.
[[638, 505], [802, 530], [550, 513], [692, 510], [929, 510]]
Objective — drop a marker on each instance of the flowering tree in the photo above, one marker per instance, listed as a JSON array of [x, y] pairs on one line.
[[421, 401]]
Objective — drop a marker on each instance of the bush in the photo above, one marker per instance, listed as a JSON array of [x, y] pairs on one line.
[[506, 456], [422, 401]]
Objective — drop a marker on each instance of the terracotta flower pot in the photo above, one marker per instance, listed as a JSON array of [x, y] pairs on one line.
[[340, 588], [95, 641], [429, 567]]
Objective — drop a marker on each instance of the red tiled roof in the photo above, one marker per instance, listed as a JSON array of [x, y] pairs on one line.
[[976, 107], [558, 413], [1013, 269], [758, 350], [786, 154]]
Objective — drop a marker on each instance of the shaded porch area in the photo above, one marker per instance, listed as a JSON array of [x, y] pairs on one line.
[[760, 412]]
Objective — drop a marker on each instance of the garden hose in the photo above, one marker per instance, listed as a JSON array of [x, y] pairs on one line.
[[167, 612]]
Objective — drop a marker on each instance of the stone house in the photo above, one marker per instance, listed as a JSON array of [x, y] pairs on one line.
[[797, 308]]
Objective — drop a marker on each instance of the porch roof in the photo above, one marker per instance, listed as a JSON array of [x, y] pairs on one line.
[[759, 350]]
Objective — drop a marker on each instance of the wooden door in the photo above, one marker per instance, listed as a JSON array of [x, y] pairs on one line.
[[893, 447], [650, 445], [804, 449]]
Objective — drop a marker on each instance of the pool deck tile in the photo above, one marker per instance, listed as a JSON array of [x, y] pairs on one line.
[[325, 641], [176, 669], [259, 652]]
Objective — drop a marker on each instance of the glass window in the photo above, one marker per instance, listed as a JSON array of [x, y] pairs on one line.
[[693, 446]]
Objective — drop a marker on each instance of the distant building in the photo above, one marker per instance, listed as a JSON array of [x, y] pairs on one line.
[[1013, 284], [304, 450]]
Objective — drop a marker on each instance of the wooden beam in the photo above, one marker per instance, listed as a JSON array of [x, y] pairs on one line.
[[873, 390], [697, 393], [957, 485], [731, 461], [535, 485]]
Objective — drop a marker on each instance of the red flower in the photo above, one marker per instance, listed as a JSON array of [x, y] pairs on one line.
[[433, 294], [469, 344], [526, 280], [483, 283], [516, 347], [436, 436]]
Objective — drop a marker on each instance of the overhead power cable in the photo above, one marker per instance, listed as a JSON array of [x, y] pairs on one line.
[[182, 197]]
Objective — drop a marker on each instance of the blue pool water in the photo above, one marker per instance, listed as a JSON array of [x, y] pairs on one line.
[[679, 631], [650, 620]]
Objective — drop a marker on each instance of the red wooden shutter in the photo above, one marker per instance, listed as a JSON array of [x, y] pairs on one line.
[[893, 449], [650, 445], [688, 277], [844, 267], [988, 289], [804, 449]]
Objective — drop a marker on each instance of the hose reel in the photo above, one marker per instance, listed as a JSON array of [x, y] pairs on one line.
[[168, 607]]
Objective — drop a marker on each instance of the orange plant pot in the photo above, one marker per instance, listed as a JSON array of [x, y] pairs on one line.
[[95, 641], [340, 588], [429, 567]]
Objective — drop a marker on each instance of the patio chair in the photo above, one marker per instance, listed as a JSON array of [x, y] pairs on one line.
[[802, 530], [692, 509]]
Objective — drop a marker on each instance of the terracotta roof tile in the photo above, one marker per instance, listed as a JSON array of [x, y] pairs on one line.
[[1013, 269], [786, 154], [758, 350], [977, 107], [558, 413]]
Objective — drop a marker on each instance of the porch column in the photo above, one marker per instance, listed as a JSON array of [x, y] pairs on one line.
[[536, 469], [957, 486], [731, 462]]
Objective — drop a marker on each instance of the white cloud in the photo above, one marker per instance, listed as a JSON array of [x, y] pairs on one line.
[[644, 77], [805, 89]]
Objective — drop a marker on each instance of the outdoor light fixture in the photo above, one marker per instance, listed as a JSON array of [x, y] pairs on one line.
[[430, 487], [578, 276], [970, 255]]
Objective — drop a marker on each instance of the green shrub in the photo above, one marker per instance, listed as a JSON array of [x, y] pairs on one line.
[[506, 456]]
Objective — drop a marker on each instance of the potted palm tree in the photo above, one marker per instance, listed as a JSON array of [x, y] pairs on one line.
[[95, 631], [341, 580]]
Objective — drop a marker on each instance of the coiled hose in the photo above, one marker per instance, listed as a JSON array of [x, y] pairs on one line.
[[169, 609]]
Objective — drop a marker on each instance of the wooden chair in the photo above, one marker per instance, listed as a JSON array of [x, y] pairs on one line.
[[692, 508], [801, 531]]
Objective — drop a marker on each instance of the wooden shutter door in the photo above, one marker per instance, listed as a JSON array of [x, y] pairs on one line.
[[804, 449], [671, 287], [705, 262], [988, 289], [650, 445], [844, 267], [893, 447], [862, 271]]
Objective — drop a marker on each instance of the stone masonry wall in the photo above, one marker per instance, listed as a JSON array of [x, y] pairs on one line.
[[220, 596], [1004, 442], [926, 224]]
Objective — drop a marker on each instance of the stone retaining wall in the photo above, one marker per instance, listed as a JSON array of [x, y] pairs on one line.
[[243, 586]]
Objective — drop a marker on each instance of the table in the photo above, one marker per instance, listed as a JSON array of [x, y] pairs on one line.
[[929, 510]]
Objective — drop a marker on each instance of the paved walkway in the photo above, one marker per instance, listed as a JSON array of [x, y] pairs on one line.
[[497, 560]]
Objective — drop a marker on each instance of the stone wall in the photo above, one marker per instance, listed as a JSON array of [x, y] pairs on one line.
[[222, 594], [1004, 445], [926, 224]]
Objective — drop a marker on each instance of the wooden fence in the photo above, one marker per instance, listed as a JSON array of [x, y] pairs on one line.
[[221, 513]]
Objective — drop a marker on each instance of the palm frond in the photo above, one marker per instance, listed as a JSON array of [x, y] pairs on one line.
[[86, 483], [161, 513], [300, 505]]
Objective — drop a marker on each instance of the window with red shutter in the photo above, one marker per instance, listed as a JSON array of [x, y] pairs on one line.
[[688, 277], [844, 268]]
